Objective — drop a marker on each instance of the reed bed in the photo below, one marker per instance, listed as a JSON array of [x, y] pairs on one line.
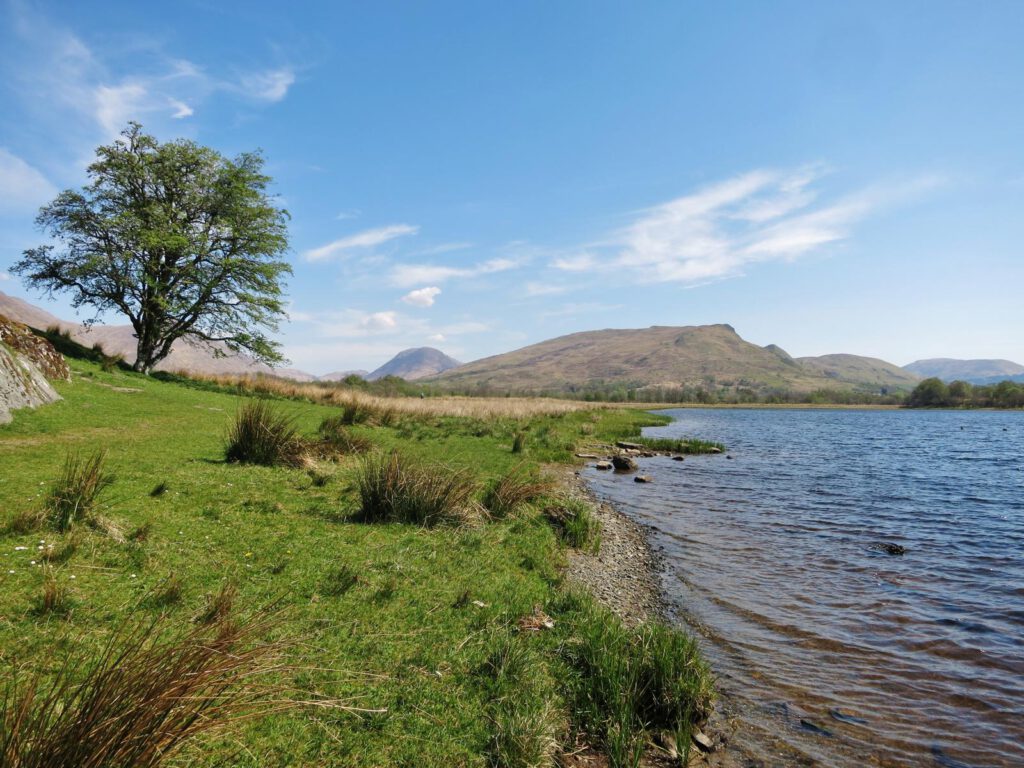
[[518, 408]]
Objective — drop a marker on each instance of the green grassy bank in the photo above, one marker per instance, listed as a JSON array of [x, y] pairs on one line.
[[409, 645]]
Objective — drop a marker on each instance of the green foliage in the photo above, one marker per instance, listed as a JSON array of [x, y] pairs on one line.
[[262, 435], [336, 439], [397, 489], [73, 496], [184, 242]]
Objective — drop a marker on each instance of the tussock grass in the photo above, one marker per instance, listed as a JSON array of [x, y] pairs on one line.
[[63, 552], [397, 489], [158, 490], [144, 697], [74, 494], [26, 520], [518, 442], [339, 581], [262, 435], [336, 439], [527, 721], [218, 607], [55, 597], [575, 522], [687, 445], [626, 682], [168, 593], [517, 487]]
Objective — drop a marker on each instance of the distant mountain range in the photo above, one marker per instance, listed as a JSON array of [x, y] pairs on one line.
[[666, 356], [973, 371]]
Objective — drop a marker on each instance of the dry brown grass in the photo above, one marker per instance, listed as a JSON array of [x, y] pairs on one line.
[[141, 699], [519, 408]]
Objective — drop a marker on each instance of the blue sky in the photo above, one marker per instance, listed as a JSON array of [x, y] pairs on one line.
[[830, 177]]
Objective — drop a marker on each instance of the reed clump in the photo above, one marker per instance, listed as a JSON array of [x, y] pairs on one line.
[[74, 494], [508, 493], [688, 446], [397, 489], [141, 699], [575, 522], [260, 434], [626, 683]]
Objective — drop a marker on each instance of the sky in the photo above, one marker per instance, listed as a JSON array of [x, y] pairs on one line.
[[828, 177]]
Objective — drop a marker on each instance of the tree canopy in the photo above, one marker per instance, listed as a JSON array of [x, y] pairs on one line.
[[184, 242]]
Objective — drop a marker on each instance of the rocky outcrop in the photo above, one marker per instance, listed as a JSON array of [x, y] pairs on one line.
[[24, 365], [19, 338]]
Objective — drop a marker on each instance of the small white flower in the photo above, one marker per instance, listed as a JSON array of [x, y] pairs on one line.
[[11, 571], [71, 576], [133, 576], [20, 549], [31, 562]]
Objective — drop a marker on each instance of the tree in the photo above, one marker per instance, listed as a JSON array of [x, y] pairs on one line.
[[186, 243], [930, 393]]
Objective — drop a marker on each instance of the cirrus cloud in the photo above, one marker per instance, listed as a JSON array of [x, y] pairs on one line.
[[361, 240]]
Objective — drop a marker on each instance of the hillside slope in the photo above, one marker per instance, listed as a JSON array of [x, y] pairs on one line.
[[974, 371], [417, 363], [860, 371], [660, 356], [119, 340]]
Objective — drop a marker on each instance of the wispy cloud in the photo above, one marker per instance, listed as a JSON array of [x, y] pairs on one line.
[[361, 240], [5, 276], [716, 232], [544, 289], [269, 85], [406, 275], [422, 297], [82, 88], [351, 213], [22, 187]]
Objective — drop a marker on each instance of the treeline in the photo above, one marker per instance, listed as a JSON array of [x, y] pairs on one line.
[[935, 393], [696, 395]]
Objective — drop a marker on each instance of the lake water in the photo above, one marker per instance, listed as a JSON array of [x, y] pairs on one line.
[[830, 651]]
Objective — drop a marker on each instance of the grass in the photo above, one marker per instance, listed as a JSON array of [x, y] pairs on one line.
[[73, 496], [140, 700], [626, 683], [397, 489], [262, 435], [510, 492], [575, 522], [686, 446], [398, 618]]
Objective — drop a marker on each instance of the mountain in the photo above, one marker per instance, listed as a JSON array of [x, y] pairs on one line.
[[860, 371], [417, 363], [341, 375], [119, 340], [974, 371], [666, 356]]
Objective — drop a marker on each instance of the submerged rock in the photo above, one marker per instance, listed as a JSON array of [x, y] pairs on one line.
[[678, 458], [603, 465], [892, 549], [643, 479]]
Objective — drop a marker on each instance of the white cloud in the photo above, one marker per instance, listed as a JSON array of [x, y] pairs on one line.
[[181, 109], [270, 85], [117, 104], [717, 231], [422, 297], [379, 321], [544, 289], [365, 239], [406, 275], [5, 276], [437, 338], [351, 213], [22, 187]]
